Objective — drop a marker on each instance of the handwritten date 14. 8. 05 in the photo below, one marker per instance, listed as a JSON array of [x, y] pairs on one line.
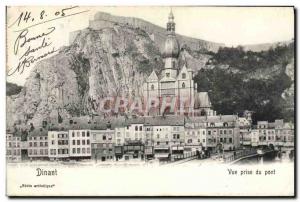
[[30, 19]]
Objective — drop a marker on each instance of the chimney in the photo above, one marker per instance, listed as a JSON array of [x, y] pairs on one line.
[[108, 125]]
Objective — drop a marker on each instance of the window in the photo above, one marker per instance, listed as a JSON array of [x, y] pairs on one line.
[[78, 142], [168, 74], [74, 151], [88, 133], [158, 143], [78, 150], [83, 150], [83, 134], [152, 87], [136, 128], [88, 150], [73, 134], [183, 75], [173, 64], [104, 137], [83, 142], [178, 136], [141, 128], [88, 142], [230, 140], [183, 85], [74, 142]]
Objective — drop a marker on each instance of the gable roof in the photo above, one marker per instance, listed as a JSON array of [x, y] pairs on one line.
[[153, 77], [184, 69], [202, 100]]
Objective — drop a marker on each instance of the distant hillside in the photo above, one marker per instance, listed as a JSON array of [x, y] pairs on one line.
[[12, 89], [265, 46], [262, 82]]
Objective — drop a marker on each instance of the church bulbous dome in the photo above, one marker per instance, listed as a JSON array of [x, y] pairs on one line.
[[171, 47]]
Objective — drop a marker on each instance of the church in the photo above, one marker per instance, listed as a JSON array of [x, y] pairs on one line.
[[174, 82]]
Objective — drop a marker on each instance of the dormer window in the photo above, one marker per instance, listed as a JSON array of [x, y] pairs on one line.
[[152, 87], [173, 64], [183, 85], [183, 75], [167, 74]]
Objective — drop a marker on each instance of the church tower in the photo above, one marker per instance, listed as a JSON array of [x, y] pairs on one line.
[[171, 49], [170, 55]]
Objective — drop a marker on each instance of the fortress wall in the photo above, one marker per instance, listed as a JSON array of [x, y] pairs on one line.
[[106, 20]]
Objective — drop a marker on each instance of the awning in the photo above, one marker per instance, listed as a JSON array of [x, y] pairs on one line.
[[161, 148], [177, 148], [164, 155]]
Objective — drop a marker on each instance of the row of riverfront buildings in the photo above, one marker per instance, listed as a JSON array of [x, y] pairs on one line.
[[159, 137]]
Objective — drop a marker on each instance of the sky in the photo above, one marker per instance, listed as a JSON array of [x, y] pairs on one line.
[[231, 25]]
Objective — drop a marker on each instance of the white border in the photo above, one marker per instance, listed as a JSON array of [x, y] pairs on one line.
[[3, 3]]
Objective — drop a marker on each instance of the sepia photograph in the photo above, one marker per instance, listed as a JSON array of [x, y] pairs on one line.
[[150, 101]]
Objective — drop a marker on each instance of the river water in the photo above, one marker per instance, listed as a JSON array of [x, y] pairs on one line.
[[267, 158]]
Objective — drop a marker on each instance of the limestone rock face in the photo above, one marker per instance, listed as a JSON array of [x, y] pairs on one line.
[[111, 61], [112, 57]]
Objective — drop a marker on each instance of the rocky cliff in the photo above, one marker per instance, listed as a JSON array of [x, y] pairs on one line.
[[113, 56]]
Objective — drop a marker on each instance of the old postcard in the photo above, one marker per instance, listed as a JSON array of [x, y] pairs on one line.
[[150, 101]]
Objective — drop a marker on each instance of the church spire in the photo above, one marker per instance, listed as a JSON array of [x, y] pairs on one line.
[[171, 49], [171, 23]]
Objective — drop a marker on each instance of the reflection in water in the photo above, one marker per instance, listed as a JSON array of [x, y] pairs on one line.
[[267, 158]]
